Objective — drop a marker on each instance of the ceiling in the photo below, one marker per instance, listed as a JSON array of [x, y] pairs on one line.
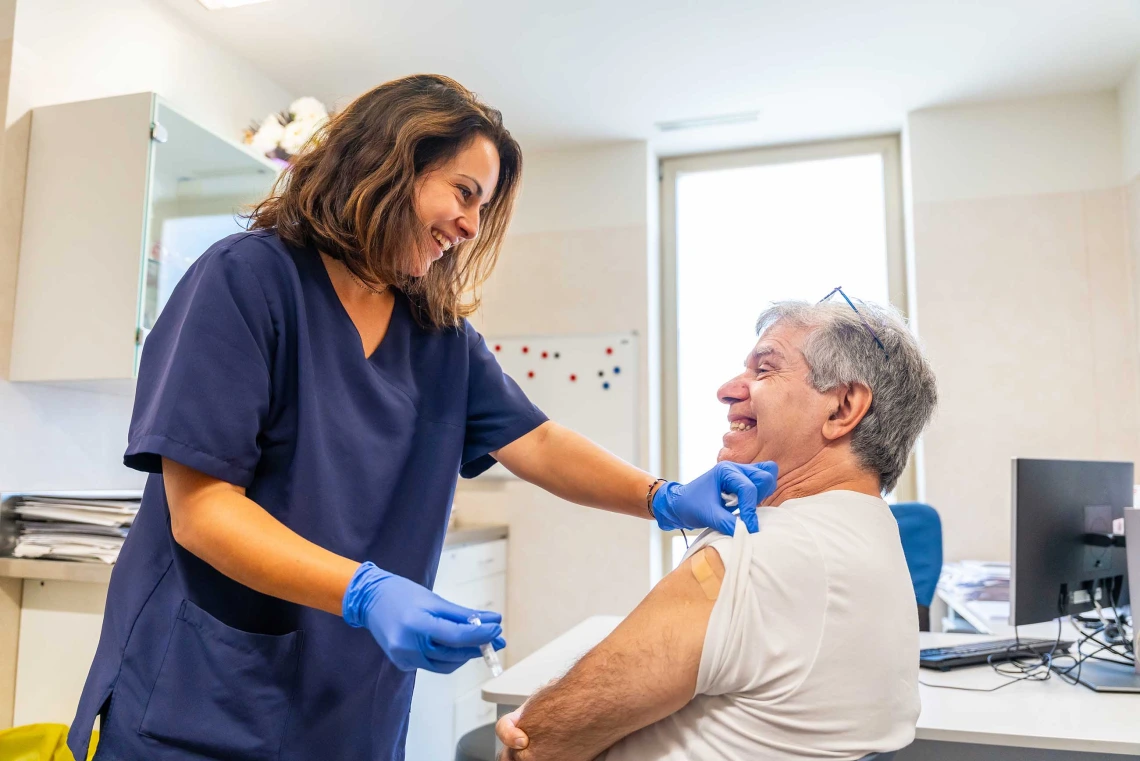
[[604, 70]]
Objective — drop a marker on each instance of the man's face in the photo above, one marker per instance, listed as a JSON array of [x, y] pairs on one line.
[[774, 413]]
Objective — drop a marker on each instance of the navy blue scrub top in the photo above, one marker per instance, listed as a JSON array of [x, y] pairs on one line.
[[255, 374]]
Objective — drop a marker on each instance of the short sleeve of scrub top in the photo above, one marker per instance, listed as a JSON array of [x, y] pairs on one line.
[[208, 393]]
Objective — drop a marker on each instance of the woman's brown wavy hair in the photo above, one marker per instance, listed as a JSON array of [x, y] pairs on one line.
[[350, 192]]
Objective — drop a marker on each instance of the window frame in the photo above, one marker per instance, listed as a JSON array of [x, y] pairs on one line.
[[672, 168]]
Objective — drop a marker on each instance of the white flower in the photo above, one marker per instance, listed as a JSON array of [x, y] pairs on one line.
[[298, 132], [308, 109], [268, 135]]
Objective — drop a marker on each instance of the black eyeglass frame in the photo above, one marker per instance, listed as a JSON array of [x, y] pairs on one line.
[[839, 289]]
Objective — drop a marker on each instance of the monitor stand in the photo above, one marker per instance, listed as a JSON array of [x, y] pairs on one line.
[[1108, 677]]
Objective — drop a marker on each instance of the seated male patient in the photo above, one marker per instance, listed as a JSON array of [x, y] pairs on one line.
[[798, 641]]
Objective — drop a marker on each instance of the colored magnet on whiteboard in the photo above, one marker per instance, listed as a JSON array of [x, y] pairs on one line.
[[609, 350], [526, 350], [601, 373], [617, 370], [557, 355], [530, 374], [573, 377], [544, 355], [498, 347], [605, 385]]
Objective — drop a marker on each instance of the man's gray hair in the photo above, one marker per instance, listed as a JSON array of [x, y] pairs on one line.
[[839, 350]]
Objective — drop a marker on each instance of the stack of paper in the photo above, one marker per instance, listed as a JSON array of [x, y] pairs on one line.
[[69, 528]]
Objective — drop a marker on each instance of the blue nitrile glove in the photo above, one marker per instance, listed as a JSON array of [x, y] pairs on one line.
[[415, 627], [699, 503]]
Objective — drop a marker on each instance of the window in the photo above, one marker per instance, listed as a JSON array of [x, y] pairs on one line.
[[743, 229]]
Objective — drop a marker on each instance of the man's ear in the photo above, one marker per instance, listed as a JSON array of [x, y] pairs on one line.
[[852, 401]]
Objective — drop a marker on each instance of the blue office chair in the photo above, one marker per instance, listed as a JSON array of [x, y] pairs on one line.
[[921, 531]]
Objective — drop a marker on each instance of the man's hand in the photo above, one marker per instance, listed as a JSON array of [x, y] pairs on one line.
[[512, 738]]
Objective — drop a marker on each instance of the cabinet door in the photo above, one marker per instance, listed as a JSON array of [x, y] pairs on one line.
[[200, 185]]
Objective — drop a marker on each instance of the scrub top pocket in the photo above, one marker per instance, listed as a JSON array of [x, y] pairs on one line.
[[221, 691]]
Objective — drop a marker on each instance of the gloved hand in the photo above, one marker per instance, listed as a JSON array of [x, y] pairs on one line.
[[699, 503], [415, 627]]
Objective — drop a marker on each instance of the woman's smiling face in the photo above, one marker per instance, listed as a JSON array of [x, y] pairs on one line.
[[774, 412], [449, 201]]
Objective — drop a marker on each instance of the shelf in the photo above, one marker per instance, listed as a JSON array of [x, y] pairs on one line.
[[97, 573], [55, 570]]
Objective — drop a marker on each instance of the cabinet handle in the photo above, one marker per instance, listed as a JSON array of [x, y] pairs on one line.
[[485, 561]]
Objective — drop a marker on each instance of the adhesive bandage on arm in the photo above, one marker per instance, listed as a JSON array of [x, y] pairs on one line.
[[705, 575]]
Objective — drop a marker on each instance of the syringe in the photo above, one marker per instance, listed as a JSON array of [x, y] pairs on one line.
[[490, 657]]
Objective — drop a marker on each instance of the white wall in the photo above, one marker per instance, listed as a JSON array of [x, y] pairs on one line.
[[55, 437], [1128, 105], [577, 260], [67, 50], [1023, 292]]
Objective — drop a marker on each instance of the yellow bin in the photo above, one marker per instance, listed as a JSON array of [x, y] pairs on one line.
[[39, 742]]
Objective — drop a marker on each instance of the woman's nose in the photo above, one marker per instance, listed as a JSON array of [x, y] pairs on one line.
[[469, 225]]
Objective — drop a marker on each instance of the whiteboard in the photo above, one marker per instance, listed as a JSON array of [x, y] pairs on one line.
[[587, 383]]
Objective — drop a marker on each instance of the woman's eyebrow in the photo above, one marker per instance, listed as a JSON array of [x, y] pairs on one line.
[[478, 187]]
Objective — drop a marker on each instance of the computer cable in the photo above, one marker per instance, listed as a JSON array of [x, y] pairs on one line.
[[1036, 669]]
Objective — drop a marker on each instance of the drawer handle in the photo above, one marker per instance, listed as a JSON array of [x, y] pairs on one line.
[[485, 561]]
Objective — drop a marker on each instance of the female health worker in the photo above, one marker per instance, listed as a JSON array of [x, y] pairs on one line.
[[304, 405]]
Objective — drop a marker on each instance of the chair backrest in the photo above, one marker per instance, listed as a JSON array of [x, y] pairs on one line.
[[921, 531]]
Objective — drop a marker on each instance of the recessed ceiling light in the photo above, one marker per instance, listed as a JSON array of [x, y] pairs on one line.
[[709, 121], [217, 5]]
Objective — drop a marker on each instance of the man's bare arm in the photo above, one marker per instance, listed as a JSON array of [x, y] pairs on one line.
[[644, 671]]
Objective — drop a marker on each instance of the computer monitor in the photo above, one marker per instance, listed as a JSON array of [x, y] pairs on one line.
[[1053, 570], [1064, 557]]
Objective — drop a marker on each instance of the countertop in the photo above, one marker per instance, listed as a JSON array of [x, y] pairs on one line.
[[65, 570]]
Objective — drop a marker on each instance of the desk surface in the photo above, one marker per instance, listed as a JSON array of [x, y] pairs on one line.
[[1052, 714]]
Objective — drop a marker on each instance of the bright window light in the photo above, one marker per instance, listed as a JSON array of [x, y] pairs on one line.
[[752, 235], [217, 5]]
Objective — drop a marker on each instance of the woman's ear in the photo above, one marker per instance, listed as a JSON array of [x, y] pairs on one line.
[[852, 401]]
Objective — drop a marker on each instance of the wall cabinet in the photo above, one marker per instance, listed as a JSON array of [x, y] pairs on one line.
[[122, 195]]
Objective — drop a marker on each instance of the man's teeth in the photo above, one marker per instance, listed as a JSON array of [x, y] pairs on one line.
[[444, 241], [740, 425]]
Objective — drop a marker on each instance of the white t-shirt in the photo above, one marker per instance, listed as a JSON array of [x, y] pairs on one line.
[[812, 647]]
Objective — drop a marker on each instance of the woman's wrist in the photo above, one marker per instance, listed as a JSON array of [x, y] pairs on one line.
[[650, 493]]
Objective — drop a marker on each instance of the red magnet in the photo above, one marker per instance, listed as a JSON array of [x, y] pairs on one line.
[[530, 374], [544, 355], [498, 347], [609, 351], [526, 350], [573, 377]]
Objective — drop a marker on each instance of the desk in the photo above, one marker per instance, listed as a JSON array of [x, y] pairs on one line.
[[1039, 715]]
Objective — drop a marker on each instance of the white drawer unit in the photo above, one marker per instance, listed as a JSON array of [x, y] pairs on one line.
[[471, 711], [447, 706], [460, 565]]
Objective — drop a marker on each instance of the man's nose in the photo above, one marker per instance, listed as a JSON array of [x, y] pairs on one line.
[[733, 391]]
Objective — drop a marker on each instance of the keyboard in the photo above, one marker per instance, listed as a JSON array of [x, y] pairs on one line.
[[946, 658]]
